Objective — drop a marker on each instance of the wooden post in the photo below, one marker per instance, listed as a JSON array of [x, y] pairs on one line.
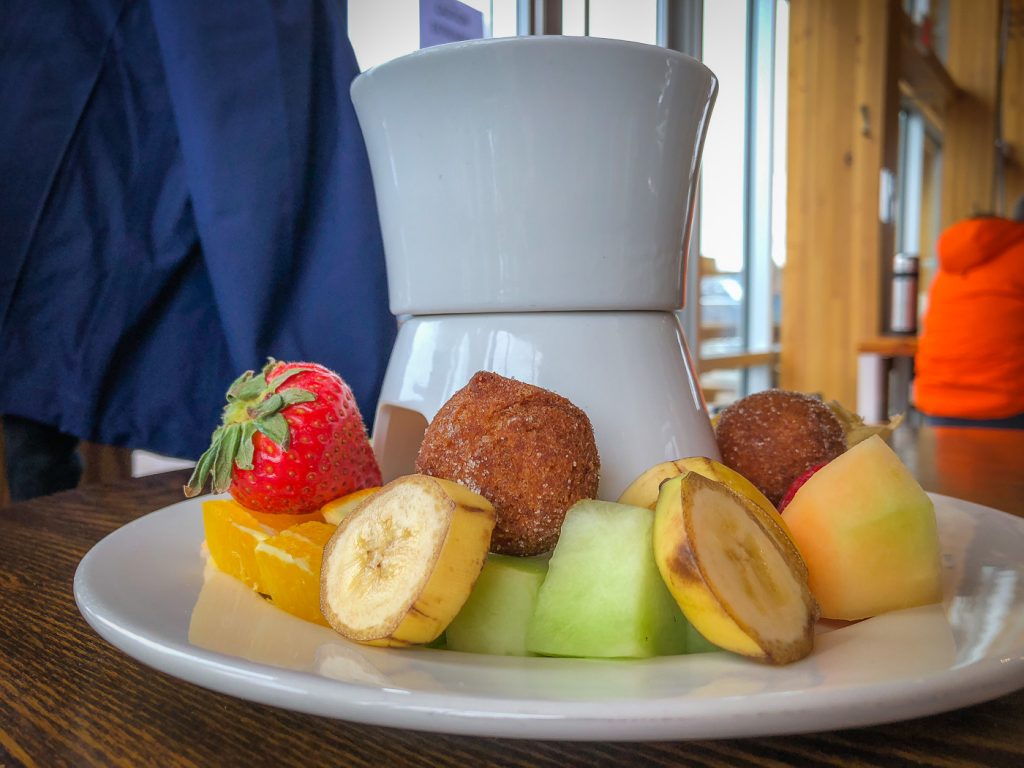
[[969, 150], [843, 113], [104, 463], [1013, 102]]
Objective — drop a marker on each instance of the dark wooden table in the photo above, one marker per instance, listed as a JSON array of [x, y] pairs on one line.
[[69, 698]]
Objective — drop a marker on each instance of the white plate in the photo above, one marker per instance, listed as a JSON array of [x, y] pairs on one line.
[[143, 588]]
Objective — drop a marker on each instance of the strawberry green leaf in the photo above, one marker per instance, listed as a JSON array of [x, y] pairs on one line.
[[271, 405], [243, 459], [238, 384], [249, 389], [197, 481], [280, 400], [275, 427], [296, 395], [227, 447], [281, 378]]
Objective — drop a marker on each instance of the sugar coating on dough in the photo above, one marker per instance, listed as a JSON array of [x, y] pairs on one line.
[[773, 437], [527, 450]]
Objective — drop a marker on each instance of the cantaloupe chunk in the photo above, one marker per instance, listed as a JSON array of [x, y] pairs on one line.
[[867, 531]]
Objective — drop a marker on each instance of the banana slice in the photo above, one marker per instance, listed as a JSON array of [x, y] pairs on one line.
[[400, 566], [643, 492], [740, 581]]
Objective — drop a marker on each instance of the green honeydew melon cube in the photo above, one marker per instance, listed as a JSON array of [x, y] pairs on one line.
[[603, 596], [495, 617]]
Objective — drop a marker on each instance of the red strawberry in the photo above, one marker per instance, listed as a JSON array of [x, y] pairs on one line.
[[797, 484], [291, 439]]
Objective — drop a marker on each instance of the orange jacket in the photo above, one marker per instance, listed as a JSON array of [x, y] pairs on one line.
[[970, 355]]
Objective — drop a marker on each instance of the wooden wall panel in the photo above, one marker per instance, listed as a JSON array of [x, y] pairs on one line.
[[844, 102], [843, 105], [104, 463], [969, 152], [1013, 102]]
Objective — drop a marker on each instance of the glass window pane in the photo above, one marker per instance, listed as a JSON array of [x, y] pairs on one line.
[[723, 179], [636, 20], [743, 203], [780, 100], [381, 31], [574, 17], [721, 387], [504, 18], [761, 277]]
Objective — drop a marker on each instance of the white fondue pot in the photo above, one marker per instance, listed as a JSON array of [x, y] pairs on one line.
[[535, 197]]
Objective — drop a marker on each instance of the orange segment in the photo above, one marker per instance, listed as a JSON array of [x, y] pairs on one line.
[[336, 511], [232, 534], [281, 521], [289, 564]]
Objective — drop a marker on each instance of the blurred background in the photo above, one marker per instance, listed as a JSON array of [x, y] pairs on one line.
[[847, 134]]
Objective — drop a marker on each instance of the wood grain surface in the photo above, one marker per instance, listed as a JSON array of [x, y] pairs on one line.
[[67, 698]]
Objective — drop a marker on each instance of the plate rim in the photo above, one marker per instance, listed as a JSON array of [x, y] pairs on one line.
[[588, 720]]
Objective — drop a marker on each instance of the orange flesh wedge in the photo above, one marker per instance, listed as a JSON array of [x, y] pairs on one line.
[[289, 566], [232, 534], [337, 510], [280, 522]]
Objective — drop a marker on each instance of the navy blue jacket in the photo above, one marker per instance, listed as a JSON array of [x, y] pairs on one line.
[[184, 191]]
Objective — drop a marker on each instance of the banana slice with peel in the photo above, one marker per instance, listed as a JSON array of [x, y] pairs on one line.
[[643, 492], [401, 565], [738, 578]]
